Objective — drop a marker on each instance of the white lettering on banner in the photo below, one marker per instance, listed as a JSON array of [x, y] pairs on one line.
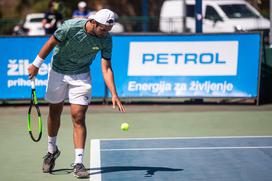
[[209, 86], [205, 58], [195, 87], [18, 67], [22, 82], [160, 87]]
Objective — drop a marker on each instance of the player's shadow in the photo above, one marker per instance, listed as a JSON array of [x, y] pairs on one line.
[[150, 171]]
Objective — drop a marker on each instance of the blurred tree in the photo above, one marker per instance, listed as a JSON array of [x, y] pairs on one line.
[[262, 6], [15, 8], [7, 8], [31, 6], [128, 7], [130, 11]]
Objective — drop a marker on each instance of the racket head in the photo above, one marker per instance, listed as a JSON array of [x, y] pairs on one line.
[[34, 119]]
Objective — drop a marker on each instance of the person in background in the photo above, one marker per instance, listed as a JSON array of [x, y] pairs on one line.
[[82, 11], [52, 18], [19, 29]]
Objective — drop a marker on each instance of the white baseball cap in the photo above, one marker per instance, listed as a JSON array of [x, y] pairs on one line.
[[105, 17], [82, 4]]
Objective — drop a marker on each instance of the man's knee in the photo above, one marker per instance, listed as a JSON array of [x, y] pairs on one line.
[[78, 114], [78, 117]]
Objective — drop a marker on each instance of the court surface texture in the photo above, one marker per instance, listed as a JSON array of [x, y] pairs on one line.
[[164, 142]]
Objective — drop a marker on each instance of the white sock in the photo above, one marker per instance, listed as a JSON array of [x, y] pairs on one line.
[[52, 147], [79, 152]]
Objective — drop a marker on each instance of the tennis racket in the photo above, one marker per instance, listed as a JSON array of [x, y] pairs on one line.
[[34, 123]]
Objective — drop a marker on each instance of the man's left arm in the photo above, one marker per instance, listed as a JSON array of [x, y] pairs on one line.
[[109, 80]]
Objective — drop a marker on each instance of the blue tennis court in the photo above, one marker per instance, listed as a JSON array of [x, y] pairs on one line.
[[197, 158]]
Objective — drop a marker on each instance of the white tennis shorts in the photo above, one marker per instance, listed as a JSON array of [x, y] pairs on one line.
[[77, 88]]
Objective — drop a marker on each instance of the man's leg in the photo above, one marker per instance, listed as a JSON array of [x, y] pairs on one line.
[[53, 124], [78, 113], [53, 121]]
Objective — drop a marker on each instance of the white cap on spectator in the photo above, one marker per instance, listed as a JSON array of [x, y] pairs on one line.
[[105, 17], [82, 4]]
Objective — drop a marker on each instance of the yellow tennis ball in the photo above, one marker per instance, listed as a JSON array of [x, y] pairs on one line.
[[124, 126]]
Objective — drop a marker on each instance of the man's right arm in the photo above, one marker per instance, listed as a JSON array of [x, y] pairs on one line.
[[48, 46], [46, 49]]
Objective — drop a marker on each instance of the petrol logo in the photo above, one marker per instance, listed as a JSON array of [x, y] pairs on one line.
[[212, 58]]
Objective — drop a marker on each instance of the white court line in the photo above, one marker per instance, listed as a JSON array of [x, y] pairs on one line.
[[95, 161], [190, 148], [201, 137]]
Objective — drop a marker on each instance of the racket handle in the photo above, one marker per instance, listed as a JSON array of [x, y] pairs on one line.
[[33, 83]]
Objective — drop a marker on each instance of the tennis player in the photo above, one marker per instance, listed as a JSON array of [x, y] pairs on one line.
[[76, 44]]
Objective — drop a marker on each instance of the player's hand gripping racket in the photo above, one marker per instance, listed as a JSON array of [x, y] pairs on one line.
[[34, 123]]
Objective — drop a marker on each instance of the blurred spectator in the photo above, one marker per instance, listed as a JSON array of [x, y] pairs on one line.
[[82, 11], [52, 18], [19, 29]]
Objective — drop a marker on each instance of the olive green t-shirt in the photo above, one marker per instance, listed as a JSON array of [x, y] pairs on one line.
[[77, 49]]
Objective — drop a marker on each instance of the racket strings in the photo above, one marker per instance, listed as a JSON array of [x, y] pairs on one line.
[[34, 116]]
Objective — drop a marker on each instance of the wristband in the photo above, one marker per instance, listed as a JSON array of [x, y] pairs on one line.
[[38, 61]]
